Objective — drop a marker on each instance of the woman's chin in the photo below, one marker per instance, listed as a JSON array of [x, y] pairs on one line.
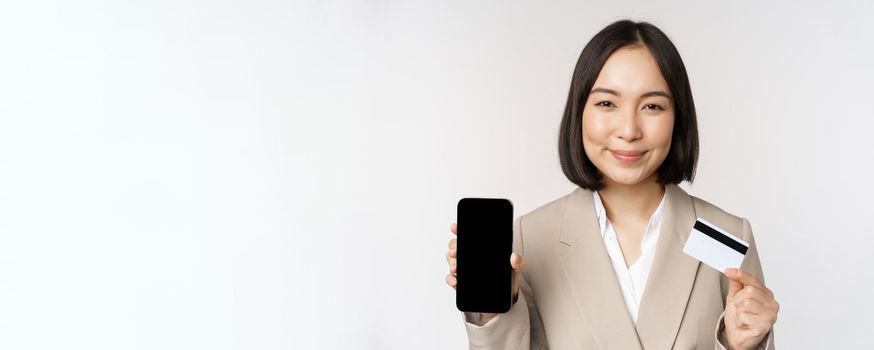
[[627, 179]]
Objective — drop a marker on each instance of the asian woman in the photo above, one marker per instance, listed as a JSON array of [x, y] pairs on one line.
[[603, 267]]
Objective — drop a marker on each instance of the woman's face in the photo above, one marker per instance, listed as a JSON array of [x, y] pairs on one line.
[[628, 118]]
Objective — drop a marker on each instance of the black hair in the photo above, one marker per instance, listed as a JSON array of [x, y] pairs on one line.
[[681, 160]]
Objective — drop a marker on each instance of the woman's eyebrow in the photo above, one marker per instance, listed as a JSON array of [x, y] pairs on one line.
[[656, 93], [646, 94]]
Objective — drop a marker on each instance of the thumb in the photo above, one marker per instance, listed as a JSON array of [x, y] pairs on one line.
[[734, 285], [518, 264]]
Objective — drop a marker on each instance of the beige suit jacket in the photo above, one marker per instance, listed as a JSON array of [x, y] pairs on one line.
[[570, 298]]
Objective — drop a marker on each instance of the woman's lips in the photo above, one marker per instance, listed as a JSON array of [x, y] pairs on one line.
[[627, 157]]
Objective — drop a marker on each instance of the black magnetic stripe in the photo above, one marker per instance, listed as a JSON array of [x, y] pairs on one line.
[[722, 238]]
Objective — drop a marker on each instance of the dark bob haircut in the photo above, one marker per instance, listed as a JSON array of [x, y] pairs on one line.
[[680, 162]]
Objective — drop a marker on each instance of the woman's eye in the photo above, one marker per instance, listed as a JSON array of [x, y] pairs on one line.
[[653, 107], [605, 104]]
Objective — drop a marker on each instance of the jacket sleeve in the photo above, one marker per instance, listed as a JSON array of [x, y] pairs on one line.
[[518, 329], [752, 265]]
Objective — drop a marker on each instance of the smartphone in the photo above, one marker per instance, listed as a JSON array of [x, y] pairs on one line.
[[484, 244]]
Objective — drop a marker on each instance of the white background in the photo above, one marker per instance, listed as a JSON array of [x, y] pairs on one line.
[[274, 175]]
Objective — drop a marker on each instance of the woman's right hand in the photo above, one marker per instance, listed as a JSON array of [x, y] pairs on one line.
[[516, 261]]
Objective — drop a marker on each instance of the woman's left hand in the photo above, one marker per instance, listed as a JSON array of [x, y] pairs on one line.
[[750, 310]]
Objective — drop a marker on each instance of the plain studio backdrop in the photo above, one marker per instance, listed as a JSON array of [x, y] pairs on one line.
[[282, 175]]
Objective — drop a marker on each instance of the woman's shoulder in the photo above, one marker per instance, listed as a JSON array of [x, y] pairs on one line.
[[718, 216], [543, 223], [540, 228], [553, 209], [703, 206]]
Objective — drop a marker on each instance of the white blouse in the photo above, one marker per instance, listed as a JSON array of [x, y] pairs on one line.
[[632, 280]]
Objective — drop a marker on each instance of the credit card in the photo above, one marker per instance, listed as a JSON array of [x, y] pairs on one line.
[[713, 246]]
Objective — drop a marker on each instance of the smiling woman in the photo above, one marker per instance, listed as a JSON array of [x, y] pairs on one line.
[[629, 101], [604, 266], [625, 70]]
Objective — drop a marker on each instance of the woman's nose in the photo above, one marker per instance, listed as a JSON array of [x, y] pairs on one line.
[[628, 129]]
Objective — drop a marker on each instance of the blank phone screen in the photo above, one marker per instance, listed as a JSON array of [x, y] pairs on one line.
[[485, 242]]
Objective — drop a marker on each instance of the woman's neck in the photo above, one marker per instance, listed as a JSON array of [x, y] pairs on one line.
[[635, 202]]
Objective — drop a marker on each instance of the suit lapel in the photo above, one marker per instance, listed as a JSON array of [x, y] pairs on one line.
[[590, 275], [671, 276]]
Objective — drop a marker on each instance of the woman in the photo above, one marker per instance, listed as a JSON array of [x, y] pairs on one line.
[[603, 266]]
